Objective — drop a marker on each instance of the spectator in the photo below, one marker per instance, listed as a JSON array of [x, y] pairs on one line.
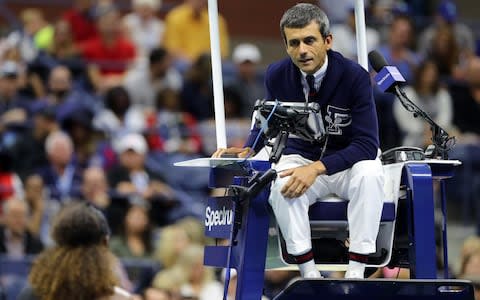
[[445, 53], [131, 178], [110, 54], [173, 240], [62, 176], [15, 239], [470, 270], [10, 183], [95, 190], [446, 17], [200, 283], [13, 107], [81, 20], [187, 33], [156, 294], [345, 35], [466, 109], [470, 245], [249, 81], [95, 187], [76, 253], [197, 94], [173, 131], [62, 91], [144, 28], [169, 280], [29, 150], [37, 27], [194, 228], [42, 209], [432, 98], [397, 53], [143, 85], [397, 50], [63, 51], [135, 241], [119, 115], [63, 46], [336, 11]]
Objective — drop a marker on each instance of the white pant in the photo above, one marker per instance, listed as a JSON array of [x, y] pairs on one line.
[[362, 185]]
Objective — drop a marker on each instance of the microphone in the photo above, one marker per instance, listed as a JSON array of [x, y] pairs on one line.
[[388, 78]]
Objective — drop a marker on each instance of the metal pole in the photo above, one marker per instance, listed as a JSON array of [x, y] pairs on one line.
[[361, 33], [217, 74]]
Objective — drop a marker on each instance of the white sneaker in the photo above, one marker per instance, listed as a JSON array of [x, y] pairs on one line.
[[355, 270], [312, 275], [354, 275]]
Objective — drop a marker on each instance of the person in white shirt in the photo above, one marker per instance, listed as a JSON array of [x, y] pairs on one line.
[[143, 26], [345, 40]]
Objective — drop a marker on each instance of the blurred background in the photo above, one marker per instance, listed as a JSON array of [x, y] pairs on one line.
[[98, 98]]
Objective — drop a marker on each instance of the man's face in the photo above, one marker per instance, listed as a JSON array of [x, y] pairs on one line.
[[400, 33], [16, 218], [61, 153], [8, 87], [132, 160], [94, 183], [306, 47], [108, 24], [60, 81]]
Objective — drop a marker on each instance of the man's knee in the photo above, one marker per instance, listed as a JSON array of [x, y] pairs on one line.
[[368, 170]]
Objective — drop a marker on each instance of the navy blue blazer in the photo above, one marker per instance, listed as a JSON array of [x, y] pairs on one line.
[[347, 106]]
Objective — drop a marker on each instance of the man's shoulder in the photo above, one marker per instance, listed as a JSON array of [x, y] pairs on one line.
[[347, 67]]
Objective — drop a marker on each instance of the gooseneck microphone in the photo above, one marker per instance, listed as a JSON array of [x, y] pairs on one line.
[[388, 79], [376, 60]]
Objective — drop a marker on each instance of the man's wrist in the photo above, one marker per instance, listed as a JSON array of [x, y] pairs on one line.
[[319, 167]]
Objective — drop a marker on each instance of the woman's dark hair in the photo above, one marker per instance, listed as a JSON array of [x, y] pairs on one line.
[[117, 99], [146, 234], [80, 226], [80, 265], [419, 74]]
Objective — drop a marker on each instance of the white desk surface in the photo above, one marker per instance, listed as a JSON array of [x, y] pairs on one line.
[[210, 162]]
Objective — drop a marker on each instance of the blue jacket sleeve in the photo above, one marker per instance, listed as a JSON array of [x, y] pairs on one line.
[[364, 143]]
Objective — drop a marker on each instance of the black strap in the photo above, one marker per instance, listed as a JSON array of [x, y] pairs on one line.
[[361, 258]]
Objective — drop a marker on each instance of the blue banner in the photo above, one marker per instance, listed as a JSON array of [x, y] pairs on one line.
[[219, 215]]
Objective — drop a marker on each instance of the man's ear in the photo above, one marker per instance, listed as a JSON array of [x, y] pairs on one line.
[[329, 41]]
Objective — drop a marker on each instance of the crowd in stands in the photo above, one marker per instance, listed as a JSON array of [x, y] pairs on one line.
[[97, 104]]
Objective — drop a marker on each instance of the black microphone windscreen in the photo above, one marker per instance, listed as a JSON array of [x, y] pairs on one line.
[[376, 60]]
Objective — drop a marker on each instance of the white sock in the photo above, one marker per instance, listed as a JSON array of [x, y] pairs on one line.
[[309, 270], [355, 270]]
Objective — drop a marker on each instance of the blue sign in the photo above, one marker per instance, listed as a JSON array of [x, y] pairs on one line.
[[388, 77], [219, 215]]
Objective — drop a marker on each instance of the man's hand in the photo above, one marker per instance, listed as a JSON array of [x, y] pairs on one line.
[[301, 178], [240, 152]]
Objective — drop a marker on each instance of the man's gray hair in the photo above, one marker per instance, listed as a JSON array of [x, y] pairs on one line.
[[54, 137], [301, 15]]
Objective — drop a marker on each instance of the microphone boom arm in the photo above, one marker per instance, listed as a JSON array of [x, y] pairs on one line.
[[441, 140]]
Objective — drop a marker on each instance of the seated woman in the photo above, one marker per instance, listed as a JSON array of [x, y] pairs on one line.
[[80, 266], [135, 240]]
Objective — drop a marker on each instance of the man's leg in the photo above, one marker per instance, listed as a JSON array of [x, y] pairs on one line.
[[292, 217], [363, 186]]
